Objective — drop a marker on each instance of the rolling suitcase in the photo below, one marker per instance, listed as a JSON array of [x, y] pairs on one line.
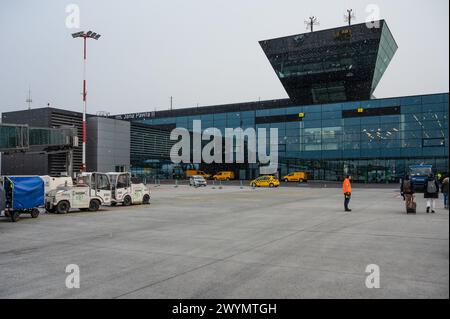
[[411, 208]]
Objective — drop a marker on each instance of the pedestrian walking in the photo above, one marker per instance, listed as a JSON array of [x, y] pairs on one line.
[[347, 190], [431, 193], [444, 190], [407, 191]]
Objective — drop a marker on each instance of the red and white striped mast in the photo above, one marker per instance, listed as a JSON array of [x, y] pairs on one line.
[[85, 36]]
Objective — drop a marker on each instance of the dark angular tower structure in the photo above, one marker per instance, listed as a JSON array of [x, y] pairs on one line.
[[334, 65]]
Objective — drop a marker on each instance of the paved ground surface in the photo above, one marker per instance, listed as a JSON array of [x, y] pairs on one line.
[[232, 243]]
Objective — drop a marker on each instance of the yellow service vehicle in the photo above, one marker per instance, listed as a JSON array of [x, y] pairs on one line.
[[265, 181], [194, 172], [223, 176], [296, 177]]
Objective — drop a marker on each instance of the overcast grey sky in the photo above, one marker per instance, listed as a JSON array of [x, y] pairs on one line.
[[199, 51]]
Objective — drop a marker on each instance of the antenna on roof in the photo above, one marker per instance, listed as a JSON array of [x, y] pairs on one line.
[[349, 16], [29, 99], [311, 22]]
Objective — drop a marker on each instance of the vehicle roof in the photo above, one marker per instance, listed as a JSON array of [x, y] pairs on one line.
[[90, 173]]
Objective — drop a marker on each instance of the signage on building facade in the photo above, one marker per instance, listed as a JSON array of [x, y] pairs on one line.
[[136, 116]]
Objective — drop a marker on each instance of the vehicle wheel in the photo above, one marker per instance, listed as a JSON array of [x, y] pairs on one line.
[[285, 180], [146, 199], [63, 207], [126, 201], [15, 215], [34, 213], [94, 205], [113, 203], [271, 185]]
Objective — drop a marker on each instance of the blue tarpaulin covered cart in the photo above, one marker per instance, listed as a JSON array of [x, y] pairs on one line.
[[23, 194]]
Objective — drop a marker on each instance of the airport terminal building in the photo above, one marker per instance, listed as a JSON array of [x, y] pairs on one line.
[[330, 126]]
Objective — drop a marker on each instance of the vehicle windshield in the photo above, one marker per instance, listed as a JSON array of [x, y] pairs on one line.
[[113, 179], [420, 171], [83, 180]]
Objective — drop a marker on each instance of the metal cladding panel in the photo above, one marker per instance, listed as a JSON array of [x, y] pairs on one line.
[[111, 146]]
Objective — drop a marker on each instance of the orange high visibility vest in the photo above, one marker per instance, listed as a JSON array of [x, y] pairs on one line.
[[346, 187]]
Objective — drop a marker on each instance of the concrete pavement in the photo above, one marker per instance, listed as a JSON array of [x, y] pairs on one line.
[[232, 243]]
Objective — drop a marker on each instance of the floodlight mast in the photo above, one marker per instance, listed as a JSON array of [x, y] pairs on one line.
[[94, 36]]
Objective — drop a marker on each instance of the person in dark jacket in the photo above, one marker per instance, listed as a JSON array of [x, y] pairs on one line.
[[431, 193], [444, 189], [407, 191]]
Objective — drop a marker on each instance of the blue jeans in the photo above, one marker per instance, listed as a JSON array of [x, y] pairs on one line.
[[445, 199]]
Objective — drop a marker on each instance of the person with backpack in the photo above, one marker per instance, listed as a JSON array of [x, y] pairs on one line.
[[431, 193], [444, 190], [407, 192]]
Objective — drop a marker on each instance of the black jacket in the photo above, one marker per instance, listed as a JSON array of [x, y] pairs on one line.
[[402, 187], [444, 187]]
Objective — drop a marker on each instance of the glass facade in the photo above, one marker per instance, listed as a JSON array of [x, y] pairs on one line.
[[13, 137], [374, 140], [18, 136], [335, 65]]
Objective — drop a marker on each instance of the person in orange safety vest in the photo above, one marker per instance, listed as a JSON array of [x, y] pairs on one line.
[[347, 190]]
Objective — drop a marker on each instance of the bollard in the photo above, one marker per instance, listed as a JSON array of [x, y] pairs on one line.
[[220, 184], [242, 185], [213, 187], [176, 183]]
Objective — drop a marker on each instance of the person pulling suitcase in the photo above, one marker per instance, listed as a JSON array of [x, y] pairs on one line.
[[407, 191]]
